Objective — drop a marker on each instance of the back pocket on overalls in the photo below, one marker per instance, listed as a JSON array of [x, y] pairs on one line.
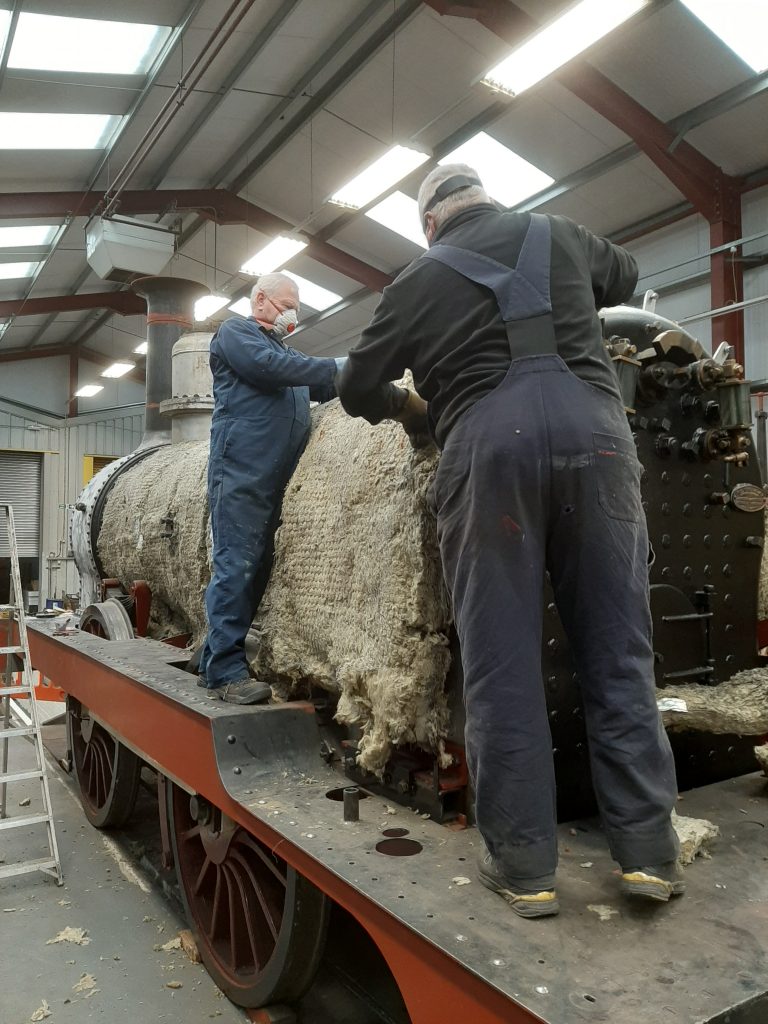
[[617, 469]]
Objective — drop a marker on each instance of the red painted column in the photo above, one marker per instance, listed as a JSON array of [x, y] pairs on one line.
[[726, 273]]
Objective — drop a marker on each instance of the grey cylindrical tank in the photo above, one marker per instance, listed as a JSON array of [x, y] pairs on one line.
[[191, 405], [170, 303]]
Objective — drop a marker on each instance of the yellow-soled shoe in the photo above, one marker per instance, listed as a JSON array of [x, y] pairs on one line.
[[543, 903], [657, 882]]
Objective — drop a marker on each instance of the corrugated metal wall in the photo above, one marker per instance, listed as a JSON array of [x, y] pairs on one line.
[[64, 444]]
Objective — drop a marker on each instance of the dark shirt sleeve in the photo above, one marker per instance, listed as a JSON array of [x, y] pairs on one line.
[[322, 392], [381, 355], [244, 347], [614, 271]]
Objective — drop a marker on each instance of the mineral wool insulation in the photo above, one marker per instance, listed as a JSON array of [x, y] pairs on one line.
[[155, 528], [355, 604]]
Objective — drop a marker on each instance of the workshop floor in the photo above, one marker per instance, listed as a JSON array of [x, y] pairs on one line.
[[120, 972]]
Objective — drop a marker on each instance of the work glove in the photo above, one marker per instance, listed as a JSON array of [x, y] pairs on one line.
[[413, 417]]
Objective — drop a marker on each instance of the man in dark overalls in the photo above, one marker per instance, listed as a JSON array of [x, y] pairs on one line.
[[538, 472], [262, 391]]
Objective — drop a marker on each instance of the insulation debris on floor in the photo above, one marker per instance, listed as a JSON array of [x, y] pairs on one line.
[[695, 835]]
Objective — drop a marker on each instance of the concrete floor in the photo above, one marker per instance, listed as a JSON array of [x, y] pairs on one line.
[[124, 914]]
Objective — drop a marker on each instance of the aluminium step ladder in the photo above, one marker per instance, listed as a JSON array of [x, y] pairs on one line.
[[11, 715]]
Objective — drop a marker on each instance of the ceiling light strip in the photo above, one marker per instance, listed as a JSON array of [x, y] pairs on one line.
[[558, 43]]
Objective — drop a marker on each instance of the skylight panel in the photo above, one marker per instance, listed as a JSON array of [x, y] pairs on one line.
[[47, 42], [208, 305], [561, 41], [12, 271], [89, 390], [741, 24], [400, 214], [27, 234], [277, 252], [55, 131], [118, 369], [507, 177], [311, 294], [382, 174], [242, 306]]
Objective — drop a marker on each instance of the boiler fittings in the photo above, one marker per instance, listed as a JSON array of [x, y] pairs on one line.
[[621, 351]]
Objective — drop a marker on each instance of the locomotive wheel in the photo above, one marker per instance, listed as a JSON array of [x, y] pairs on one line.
[[108, 619], [259, 925], [108, 774]]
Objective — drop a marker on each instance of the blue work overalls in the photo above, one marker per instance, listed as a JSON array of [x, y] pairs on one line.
[[258, 433], [542, 474]]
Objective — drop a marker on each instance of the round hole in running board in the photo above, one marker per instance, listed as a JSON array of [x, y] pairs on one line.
[[399, 847], [395, 833]]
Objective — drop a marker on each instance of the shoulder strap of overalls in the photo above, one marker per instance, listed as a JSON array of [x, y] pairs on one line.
[[522, 292]]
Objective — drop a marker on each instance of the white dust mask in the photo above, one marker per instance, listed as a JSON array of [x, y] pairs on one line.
[[285, 322]]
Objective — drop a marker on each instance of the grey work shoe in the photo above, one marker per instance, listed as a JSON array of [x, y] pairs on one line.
[[655, 881], [525, 903], [241, 691]]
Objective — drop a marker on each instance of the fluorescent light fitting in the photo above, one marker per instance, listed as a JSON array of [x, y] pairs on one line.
[[208, 305], [400, 214], [312, 294], [741, 24], [55, 131], [27, 234], [118, 369], [277, 252], [48, 42], [89, 390], [242, 306], [382, 174], [559, 42], [141, 350], [11, 271], [507, 177]]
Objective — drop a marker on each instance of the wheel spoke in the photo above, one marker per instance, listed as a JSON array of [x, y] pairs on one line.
[[254, 884], [231, 904], [218, 899], [201, 876], [246, 906], [190, 833], [252, 844], [103, 769]]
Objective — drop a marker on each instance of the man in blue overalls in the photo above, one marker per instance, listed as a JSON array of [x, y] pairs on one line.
[[262, 391], [538, 472]]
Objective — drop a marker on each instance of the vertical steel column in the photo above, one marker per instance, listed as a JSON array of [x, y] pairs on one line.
[[72, 403], [170, 304], [726, 271]]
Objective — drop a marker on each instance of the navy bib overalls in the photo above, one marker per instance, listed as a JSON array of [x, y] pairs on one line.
[[541, 475]]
